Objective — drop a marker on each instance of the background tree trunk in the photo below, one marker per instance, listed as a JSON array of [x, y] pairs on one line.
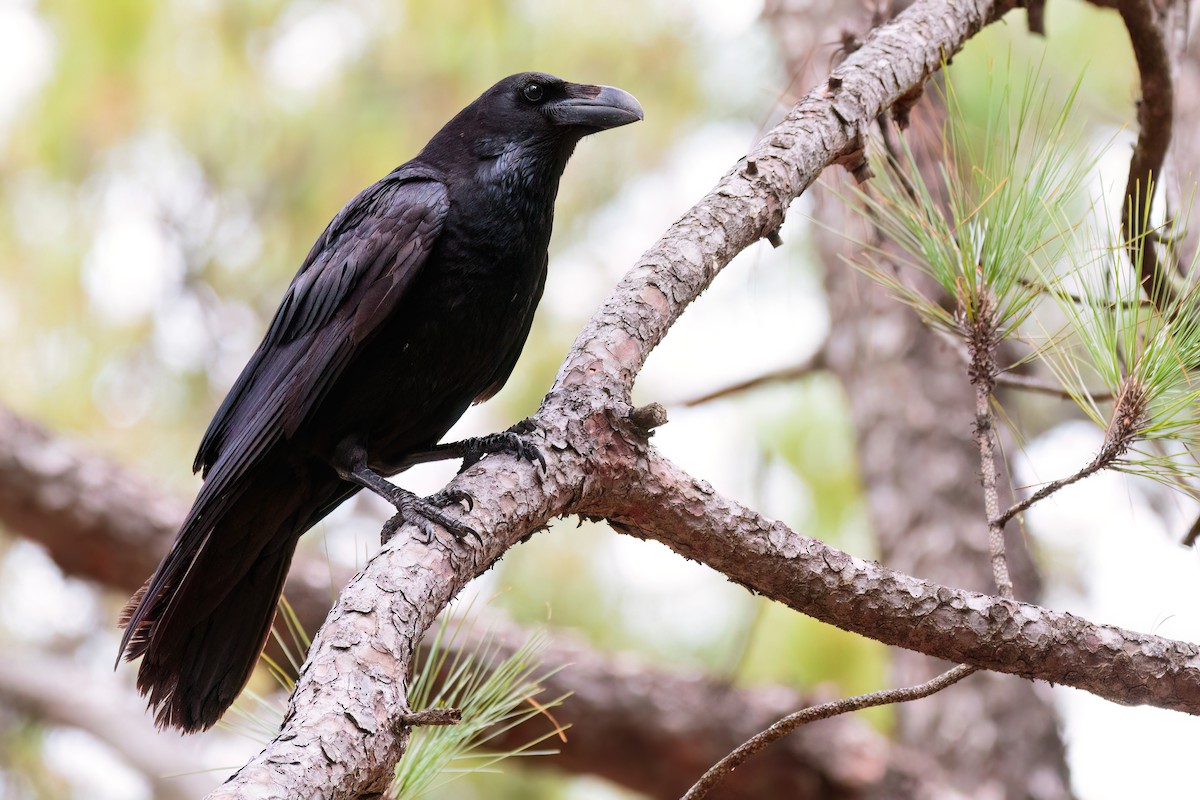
[[913, 410]]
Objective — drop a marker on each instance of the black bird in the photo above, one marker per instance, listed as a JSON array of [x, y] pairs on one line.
[[414, 303]]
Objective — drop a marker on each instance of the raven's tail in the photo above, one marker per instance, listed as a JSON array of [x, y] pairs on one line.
[[201, 621]]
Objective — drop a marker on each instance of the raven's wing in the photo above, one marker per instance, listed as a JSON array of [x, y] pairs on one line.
[[354, 277], [351, 281]]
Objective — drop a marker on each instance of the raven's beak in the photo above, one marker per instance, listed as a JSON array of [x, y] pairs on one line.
[[595, 107]]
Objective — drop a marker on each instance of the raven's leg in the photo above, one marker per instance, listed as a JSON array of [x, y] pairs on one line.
[[471, 451], [351, 465]]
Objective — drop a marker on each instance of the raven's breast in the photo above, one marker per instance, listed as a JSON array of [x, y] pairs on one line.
[[454, 337]]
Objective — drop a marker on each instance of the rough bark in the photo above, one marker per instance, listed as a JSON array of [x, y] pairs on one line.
[[59, 693], [341, 733], [104, 523], [956, 625], [912, 404], [344, 727]]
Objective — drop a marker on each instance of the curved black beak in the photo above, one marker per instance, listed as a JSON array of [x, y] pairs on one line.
[[596, 107]]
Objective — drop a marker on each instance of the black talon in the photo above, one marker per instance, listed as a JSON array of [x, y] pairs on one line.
[[390, 527], [504, 442], [409, 508], [472, 451], [531, 452], [448, 498]]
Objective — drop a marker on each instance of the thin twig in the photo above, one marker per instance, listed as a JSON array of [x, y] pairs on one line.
[[1128, 419], [981, 345], [1102, 460], [1089, 302], [824, 711], [812, 364], [1024, 382], [985, 439], [1012, 380]]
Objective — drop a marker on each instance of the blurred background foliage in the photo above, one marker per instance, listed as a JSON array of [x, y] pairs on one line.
[[166, 164]]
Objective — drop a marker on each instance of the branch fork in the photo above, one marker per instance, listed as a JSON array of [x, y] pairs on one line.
[[339, 739]]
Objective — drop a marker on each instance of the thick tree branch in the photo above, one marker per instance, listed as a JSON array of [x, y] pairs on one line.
[[1149, 33], [103, 522], [58, 493], [953, 624], [57, 692], [97, 520], [340, 735]]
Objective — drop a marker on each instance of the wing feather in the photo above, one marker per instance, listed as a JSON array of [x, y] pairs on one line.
[[353, 278], [369, 255]]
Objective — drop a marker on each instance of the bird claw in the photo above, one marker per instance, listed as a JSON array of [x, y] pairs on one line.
[[391, 526], [450, 497], [531, 452], [425, 515], [504, 442]]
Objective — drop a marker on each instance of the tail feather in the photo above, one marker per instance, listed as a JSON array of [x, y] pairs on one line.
[[195, 665], [201, 621]]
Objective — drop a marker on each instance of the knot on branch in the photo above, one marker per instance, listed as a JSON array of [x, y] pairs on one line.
[[648, 417]]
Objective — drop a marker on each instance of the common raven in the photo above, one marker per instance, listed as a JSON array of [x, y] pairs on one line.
[[414, 303]]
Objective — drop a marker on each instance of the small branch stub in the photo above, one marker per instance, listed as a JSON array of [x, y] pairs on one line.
[[1035, 10], [648, 417], [431, 716]]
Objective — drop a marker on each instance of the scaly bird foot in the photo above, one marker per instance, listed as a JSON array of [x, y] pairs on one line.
[[409, 508], [424, 514], [504, 442], [451, 497]]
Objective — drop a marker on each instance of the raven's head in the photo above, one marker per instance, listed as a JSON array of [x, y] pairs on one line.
[[535, 112]]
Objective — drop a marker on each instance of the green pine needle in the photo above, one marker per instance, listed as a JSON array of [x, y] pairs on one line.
[[1147, 358], [1005, 205], [493, 694], [492, 700]]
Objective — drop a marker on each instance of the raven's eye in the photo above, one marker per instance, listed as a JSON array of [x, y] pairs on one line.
[[533, 92]]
